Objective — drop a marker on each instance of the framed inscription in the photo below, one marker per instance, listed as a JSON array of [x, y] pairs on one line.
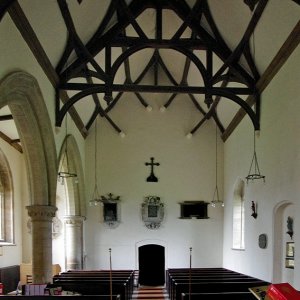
[[152, 212], [111, 210], [290, 246]]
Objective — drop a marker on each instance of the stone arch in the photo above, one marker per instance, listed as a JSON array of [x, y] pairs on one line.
[[74, 214], [76, 203], [278, 214], [21, 92]]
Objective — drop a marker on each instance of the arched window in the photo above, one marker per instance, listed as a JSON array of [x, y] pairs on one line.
[[238, 216], [6, 203]]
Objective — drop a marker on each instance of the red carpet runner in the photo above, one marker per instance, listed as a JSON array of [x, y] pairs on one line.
[[150, 293]]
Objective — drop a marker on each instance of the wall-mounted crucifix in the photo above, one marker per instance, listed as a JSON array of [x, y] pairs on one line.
[[152, 177]]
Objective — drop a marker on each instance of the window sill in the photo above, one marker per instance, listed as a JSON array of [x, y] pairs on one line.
[[238, 249], [7, 244]]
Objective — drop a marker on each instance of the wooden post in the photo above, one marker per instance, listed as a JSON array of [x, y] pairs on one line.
[[110, 274], [190, 274]]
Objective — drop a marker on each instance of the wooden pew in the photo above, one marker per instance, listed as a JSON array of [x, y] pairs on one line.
[[95, 287], [182, 274], [173, 273], [97, 282], [214, 287], [208, 280]]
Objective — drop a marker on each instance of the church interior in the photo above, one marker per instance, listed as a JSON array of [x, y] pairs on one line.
[[150, 135]]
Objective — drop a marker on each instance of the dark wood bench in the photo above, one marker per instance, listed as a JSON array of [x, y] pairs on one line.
[[97, 282], [214, 287], [126, 275], [194, 281], [95, 287], [212, 272]]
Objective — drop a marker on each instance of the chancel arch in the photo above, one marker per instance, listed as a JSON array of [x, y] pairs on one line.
[[21, 92]]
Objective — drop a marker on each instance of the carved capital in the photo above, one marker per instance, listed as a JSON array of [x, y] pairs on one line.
[[41, 212]]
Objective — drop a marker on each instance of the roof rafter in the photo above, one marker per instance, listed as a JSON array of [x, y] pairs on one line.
[[13, 143], [28, 34], [206, 42]]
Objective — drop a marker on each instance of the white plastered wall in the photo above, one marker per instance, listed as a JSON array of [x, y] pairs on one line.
[[279, 160], [186, 172]]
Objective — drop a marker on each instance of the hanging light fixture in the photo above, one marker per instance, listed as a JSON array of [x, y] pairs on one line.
[[65, 170], [96, 198], [216, 199], [254, 172]]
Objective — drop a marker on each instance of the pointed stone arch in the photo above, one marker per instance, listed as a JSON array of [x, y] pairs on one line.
[[76, 203], [21, 92], [74, 214]]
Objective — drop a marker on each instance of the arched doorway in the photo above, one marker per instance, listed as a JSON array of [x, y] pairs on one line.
[[151, 265], [280, 273]]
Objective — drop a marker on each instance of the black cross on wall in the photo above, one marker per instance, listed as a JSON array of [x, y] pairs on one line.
[[152, 177]]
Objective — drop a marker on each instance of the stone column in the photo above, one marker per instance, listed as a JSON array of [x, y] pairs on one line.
[[74, 242], [41, 220]]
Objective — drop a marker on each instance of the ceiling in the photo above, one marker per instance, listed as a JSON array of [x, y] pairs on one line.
[[219, 55]]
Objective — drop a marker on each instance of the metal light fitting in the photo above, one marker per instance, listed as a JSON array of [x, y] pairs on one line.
[[254, 172], [216, 199], [65, 171]]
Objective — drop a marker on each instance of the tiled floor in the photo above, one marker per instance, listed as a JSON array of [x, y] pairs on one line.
[[150, 293]]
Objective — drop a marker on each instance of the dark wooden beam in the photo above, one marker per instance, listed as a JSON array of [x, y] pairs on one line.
[[6, 118], [158, 32], [28, 34], [212, 111], [197, 105], [278, 61], [96, 44], [194, 44], [195, 12], [182, 9], [124, 9], [166, 71], [4, 5], [86, 90], [251, 3], [13, 143], [101, 88], [79, 47], [236, 54]]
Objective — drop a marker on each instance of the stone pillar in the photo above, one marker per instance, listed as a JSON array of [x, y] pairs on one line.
[[74, 242], [41, 220]]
